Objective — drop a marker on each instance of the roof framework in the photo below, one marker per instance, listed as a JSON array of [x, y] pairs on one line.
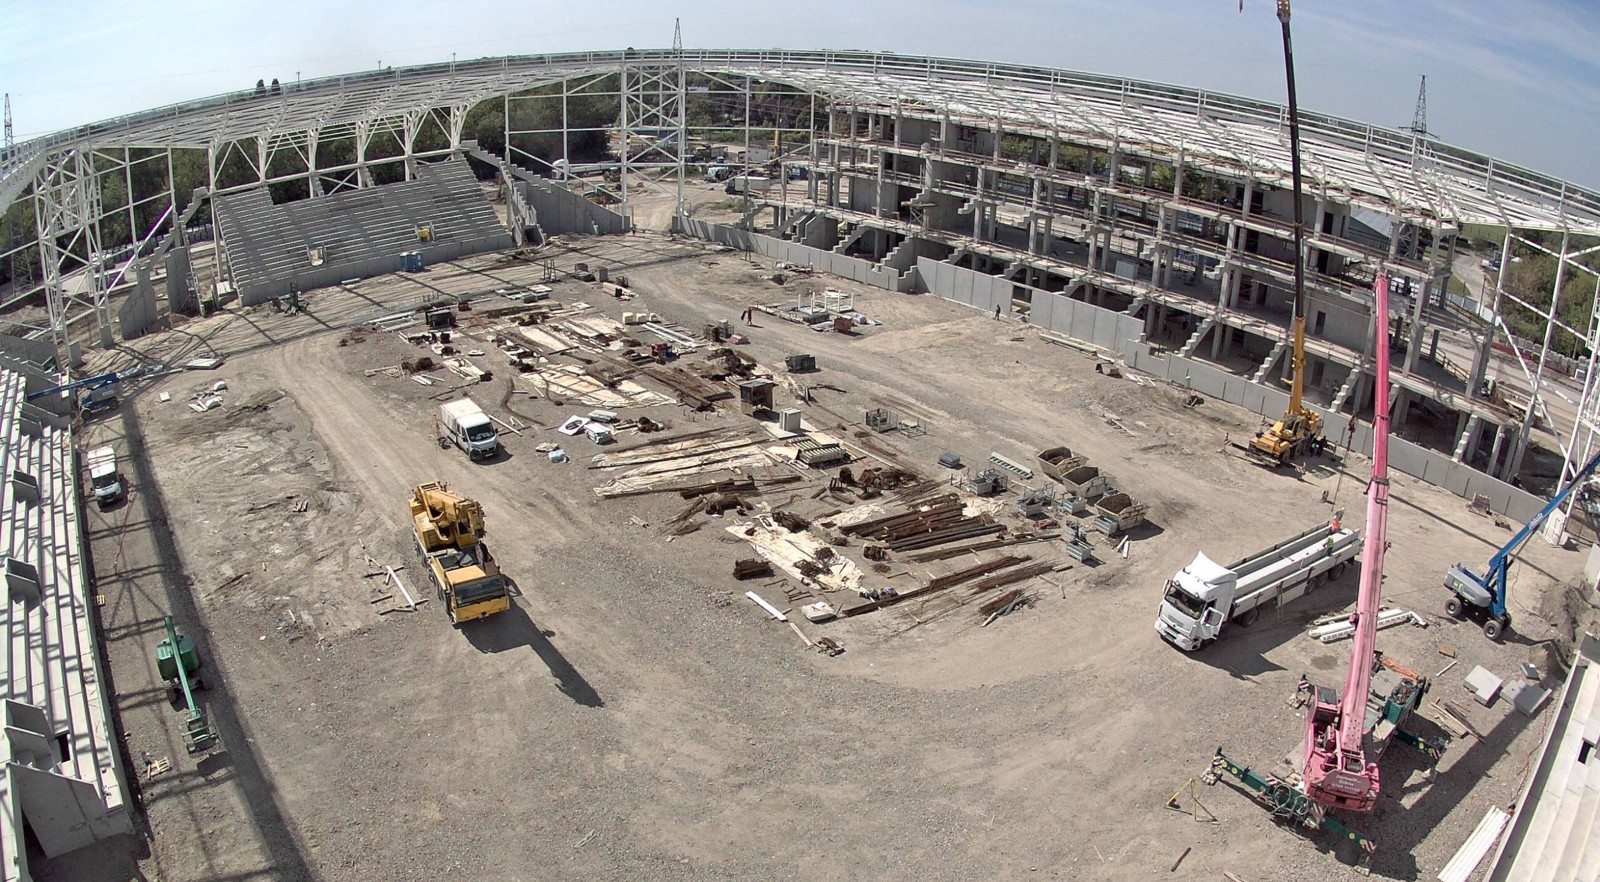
[[1410, 177], [1415, 180]]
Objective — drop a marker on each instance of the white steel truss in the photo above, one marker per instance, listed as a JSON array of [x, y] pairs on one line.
[[284, 135]]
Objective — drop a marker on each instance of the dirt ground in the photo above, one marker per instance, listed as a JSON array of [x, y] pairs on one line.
[[635, 717]]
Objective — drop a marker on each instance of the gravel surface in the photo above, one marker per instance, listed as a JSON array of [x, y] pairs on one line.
[[635, 717]]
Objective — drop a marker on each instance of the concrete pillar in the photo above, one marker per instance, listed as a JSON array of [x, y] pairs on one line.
[[1414, 338], [1402, 408], [1494, 452], [1466, 436], [1480, 366]]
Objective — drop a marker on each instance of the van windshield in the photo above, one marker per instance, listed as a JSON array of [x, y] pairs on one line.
[[1187, 603], [105, 480], [480, 433]]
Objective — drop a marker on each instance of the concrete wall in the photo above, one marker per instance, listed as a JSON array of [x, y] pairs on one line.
[[558, 210], [181, 298], [1345, 324], [864, 271], [332, 273], [137, 313]]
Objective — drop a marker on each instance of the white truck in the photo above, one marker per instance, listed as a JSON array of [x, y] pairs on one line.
[[755, 184], [1203, 597], [464, 424], [104, 479]]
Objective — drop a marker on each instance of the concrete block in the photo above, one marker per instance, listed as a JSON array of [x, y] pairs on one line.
[[1483, 685], [1527, 697]]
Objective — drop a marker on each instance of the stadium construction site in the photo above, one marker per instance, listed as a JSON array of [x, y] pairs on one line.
[[835, 469]]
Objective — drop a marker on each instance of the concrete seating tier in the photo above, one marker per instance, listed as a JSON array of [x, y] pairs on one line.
[[361, 232]]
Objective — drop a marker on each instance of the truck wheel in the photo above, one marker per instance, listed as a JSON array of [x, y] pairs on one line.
[[1248, 618], [1452, 607], [1336, 571], [1492, 628]]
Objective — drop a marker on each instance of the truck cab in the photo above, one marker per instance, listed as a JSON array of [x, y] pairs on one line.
[[1196, 603], [468, 583], [104, 479]]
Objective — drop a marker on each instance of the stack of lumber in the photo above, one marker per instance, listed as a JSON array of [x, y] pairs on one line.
[[994, 569], [936, 524]]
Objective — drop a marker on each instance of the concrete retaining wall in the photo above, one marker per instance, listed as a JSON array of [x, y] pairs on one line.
[[864, 271], [558, 210], [330, 274]]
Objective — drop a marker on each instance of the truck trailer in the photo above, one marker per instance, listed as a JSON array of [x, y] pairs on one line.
[[1204, 597], [463, 423]]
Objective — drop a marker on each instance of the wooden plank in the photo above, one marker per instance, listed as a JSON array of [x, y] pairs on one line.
[[767, 606]]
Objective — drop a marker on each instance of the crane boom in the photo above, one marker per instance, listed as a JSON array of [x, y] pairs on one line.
[[1337, 770], [1300, 427], [1298, 358]]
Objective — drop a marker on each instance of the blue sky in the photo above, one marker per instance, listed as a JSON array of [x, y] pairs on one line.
[[1517, 79]]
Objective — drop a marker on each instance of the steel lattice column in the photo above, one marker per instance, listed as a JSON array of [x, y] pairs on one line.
[[653, 104], [66, 214]]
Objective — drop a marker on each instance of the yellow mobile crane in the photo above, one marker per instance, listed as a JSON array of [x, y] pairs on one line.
[[1299, 430], [449, 531]]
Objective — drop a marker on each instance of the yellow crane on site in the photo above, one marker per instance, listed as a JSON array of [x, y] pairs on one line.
[[1299, 430], [449, 531]]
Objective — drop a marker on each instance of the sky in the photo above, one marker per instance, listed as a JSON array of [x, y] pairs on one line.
[[1516, 79]]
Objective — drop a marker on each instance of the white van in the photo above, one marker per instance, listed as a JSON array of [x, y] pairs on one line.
[[103, 477], [464, 424]]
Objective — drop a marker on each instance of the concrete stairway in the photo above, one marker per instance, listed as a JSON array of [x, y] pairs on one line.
[[267, 243], [66, 748], [1345, 391], [846, 241], [1194, 339], [1271, 361]]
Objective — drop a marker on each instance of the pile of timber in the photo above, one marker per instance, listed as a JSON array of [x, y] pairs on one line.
[[735, 485], [937, 524], [965, 528], [692, 390], [950, 580], [1001, 605], [1010, 577], [993, 569], [987, 545]]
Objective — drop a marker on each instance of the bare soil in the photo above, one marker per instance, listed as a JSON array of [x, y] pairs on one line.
[[634, 716]]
